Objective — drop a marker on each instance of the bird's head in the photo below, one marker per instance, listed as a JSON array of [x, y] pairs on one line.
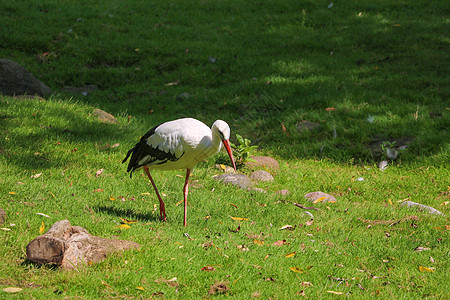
[[222, 130]]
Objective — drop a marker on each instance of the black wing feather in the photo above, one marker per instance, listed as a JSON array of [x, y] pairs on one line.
[[142, 149]]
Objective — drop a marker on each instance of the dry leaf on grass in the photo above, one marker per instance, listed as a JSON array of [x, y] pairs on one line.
[[219, 288], [290, 254], [42, 228], [306, 283], [425, 269], [208, 268], [336, 293], [12, 290], [123, 226], [279, 243], [296, 269], [288, 227], [258, 242], [239, 219], [125, 221]]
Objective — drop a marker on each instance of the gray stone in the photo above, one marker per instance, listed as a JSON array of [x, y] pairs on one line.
[[429, 209], [224, 168], [183, 96], [324, 197], [262, 162], [2, 216], [305, 126], [104, 117], [261, 175], [16, 80], [239, 180]]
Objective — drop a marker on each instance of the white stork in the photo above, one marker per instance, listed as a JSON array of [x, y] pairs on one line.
[[178, 144]]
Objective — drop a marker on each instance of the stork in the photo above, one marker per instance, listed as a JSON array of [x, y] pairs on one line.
[[178, 144]]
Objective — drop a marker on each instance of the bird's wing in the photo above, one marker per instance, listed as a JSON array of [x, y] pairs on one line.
[[151, 150]]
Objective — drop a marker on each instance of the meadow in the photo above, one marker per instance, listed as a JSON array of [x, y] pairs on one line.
[[368, 72]]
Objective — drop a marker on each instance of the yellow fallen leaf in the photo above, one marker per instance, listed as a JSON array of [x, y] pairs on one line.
[[123, 226], [42, 228], [258, 242], [142, 194], [291, 254], [53, 195], [222, 167], [296, 269], [12, 193], [179, 202], [207, 217], [12, 290], [425, 269], [236, 280], [319, 199], [125, 221], [336, 293], [390, 202], [140, 288], [239, 219], [112, 198]]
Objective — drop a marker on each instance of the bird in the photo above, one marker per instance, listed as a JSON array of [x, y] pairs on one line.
[[178, 144]]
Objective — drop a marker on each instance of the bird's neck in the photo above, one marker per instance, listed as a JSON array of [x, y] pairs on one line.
[[216, 143]]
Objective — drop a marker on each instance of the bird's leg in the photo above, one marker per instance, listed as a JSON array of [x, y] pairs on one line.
[[162, 209], [185, 192]]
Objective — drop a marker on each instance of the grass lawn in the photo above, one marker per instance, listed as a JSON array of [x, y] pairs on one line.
[[368, 72]]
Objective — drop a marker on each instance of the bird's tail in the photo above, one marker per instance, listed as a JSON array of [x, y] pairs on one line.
[[130, 166]]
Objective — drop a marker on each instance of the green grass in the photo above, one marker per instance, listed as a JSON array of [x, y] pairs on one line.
[[276, 62]]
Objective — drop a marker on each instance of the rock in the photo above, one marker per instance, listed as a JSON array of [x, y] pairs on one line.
[[262, 162], [83, 90], [16, 80], [320, 197], [183, 96], [70, 246], [430, 209], [261, 175], [225, 168], [283, 192], [2, 216], [104, 117], [239, 180], [383, 165], [305, 126]]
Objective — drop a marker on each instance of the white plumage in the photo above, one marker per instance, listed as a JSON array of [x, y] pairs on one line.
[[178, 144]]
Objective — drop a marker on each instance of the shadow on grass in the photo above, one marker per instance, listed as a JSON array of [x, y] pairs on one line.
[[274, 65], [126, 213]]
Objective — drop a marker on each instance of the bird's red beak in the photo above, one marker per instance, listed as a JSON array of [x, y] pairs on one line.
[[226, 143]]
